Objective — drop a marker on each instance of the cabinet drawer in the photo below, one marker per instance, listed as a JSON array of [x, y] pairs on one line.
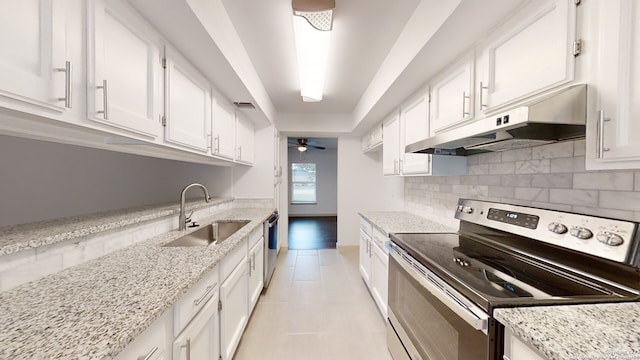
[[152, 343], [191, 302], [365, 226], [232, 259], [255, 236], [380, 238]]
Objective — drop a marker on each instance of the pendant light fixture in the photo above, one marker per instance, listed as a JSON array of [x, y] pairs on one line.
[[312, 24]]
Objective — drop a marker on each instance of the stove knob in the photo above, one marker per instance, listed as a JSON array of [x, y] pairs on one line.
[[557, 228], [460, 207], [581, 233], [610, 238], [467, 210]]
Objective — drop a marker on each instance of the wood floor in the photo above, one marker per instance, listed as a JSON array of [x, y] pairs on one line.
[[313, 233], [316, 307]]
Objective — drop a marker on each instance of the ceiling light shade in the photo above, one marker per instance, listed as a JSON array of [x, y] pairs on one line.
[[312, 24], [302, 148]]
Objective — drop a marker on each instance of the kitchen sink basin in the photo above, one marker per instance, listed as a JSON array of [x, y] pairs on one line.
[[215, 233]]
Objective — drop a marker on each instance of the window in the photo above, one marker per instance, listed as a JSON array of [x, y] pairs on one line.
[[303, 183]]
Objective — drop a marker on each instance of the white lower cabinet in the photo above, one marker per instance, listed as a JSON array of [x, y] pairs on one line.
[[379, 272], [153, 343], [234, 308], [374, 264], [516, 349], [199, 340], [256, 272]]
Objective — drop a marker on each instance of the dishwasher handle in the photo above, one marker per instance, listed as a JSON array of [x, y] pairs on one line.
[[273, 219]]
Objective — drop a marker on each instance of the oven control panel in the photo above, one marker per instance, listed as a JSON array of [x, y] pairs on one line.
[[607, 238]]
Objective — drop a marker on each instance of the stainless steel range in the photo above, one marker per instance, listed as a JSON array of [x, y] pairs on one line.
[[443, 287]]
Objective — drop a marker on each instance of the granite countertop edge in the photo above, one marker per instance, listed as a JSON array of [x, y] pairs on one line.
[[94, 310], [606, 330], [22, 237], [390, 222]]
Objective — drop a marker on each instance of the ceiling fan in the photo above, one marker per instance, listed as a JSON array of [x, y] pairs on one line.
[[304, 144]]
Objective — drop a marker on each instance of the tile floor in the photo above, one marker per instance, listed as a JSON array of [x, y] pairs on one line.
[[317, 307]]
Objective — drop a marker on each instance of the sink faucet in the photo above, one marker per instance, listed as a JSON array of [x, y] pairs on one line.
[[183, 219]]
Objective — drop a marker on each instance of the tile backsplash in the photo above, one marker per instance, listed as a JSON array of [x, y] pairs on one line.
[[550, 176]]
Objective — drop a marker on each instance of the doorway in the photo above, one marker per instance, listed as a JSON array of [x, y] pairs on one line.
[[312, 193]]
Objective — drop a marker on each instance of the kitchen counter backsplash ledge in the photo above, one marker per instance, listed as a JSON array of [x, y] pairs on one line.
[[94, 310]]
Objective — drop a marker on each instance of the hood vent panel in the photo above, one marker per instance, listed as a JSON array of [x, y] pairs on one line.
[[555, 117]]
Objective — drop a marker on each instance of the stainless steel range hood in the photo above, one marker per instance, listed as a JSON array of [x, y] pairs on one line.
[[558, 116]]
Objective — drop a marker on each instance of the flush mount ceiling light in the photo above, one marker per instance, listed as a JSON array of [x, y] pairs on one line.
[[312, 24]]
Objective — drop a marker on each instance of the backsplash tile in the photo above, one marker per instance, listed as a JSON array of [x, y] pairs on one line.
[[550, 176]]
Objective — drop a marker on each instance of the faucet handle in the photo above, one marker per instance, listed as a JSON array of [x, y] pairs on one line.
[[188, 217]]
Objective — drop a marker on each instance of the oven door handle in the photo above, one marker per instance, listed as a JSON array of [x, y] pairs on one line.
[[446, 296]]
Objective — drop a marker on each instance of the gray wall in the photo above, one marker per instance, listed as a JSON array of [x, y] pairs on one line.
[[550, 176], [326, 182], [41, 180]]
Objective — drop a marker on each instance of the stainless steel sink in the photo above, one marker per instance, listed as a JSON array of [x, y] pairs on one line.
[[214, 233]]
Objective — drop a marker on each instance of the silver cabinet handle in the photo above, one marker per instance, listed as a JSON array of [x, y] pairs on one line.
[[67, 84], [149, 354], [253, 261], [209, 143], [482, 88], [188, 347], [216, 146], [400, 166], [209, 289], [600, 149], [239, 152], [105, 100], [395, 165], [465, 113]]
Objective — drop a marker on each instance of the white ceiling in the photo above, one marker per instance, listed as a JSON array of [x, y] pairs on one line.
[[382, 52], [363, 33]]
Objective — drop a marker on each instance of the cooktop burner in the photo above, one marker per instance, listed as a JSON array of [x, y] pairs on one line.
[[497, 268]]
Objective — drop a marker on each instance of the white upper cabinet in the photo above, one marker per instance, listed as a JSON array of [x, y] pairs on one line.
[[244, 140], [224, 131], [391, 145], [34, 66], [614, 121], [529, 53], [124, 75], [452, 96], [414, 126], [188, 103]]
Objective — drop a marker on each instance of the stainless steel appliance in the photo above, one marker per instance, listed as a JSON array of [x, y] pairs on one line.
[[443, 287], [270, 246], [561, 115]]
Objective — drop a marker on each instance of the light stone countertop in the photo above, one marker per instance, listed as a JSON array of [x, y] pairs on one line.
[[15, 238], [578, 332], [94, 310], [400, 221]]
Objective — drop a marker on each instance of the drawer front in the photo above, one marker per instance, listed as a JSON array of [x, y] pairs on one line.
[[232, 259], [255, 236], [153, 343], [365, 226], [380, 238], [191, 302]]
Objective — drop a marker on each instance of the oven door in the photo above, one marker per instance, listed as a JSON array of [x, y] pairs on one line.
[[431, 319]]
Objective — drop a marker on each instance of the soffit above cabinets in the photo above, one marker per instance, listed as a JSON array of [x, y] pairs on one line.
[[381, 52]]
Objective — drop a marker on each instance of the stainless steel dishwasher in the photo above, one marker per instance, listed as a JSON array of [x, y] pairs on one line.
[[270, 246]]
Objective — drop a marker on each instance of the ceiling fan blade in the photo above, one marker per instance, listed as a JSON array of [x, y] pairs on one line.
[[317, 147]]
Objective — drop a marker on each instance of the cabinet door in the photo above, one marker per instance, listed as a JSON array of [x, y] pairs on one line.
[[376, 136], [391, 146], [516, 349], [188, 103], [33, 42], [244, 140], [234, 296], [256, 277], [452, 97], [379, 277], [414, 126], [365, 257], [124, 74], [224, 131], [612, 137], [532, 52], [199, 340]]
